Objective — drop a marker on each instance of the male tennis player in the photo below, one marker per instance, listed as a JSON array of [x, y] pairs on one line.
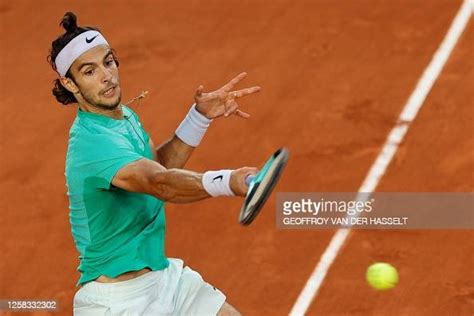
[[118, 183]]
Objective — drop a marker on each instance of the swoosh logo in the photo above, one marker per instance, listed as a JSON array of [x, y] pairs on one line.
[[88, 41], [218, 177]]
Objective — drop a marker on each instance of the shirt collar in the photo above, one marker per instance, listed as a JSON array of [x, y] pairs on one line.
[[103, 118]]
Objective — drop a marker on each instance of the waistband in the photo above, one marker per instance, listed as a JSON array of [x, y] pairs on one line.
[[132, 286], [128, 286]]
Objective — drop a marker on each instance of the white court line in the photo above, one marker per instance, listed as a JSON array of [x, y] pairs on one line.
[[395, 137]]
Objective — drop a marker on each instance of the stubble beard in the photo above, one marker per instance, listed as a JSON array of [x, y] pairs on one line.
[[102, 106]]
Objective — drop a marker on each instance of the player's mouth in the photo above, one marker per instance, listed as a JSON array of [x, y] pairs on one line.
[[110, 92]]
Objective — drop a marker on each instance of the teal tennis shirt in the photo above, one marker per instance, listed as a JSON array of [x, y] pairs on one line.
[[114, 230]]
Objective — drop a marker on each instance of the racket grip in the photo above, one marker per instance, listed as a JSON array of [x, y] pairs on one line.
[[249, 178]]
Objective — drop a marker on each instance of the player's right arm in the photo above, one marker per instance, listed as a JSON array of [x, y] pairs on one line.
[[172, 185]]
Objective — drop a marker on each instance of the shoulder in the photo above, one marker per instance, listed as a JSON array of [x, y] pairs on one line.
[[96, 137]]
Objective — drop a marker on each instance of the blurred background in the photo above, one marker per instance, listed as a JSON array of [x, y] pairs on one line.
[[334, 76]]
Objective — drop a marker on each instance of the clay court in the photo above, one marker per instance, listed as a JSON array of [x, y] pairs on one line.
[[335, 76]]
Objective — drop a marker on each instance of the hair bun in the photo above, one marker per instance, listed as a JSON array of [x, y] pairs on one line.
[[69, 22]]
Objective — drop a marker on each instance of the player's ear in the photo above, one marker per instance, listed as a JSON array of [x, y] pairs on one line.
[[69, 85]]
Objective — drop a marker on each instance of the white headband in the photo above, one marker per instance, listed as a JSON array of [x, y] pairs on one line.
[[75, 48]]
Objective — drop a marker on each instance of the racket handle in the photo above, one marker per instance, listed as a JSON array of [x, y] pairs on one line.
[[249, 178]]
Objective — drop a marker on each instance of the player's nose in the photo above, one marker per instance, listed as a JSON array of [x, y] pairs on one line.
[[106, 75]]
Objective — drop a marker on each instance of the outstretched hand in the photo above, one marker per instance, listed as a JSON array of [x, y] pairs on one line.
[[222, 102]]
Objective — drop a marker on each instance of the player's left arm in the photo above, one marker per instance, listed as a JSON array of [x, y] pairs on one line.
[[173, 153]]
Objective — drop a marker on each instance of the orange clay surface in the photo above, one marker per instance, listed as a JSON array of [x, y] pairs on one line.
[[334, 76]]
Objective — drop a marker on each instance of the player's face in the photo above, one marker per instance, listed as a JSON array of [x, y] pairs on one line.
[[96, 75]]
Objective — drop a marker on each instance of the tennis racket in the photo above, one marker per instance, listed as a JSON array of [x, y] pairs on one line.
[[261, 186]]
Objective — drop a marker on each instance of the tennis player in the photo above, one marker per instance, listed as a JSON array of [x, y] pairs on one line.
[[118, 184]]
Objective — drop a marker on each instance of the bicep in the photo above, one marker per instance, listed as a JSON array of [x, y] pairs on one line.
[[138, 176]]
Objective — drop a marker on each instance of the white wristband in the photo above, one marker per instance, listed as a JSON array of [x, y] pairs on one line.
[[217, 183], [193, 127]]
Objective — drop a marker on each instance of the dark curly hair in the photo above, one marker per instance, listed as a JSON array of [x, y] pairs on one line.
[[69, 23]]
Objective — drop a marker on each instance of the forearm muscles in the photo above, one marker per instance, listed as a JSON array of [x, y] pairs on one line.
[[173, 153], [178, 186]]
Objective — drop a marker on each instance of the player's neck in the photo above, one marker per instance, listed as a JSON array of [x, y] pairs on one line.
[[115, 113]]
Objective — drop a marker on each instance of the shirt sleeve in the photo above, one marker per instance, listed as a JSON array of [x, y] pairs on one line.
[[102, 156]]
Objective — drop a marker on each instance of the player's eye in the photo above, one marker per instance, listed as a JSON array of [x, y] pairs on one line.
[[110, 62], [89, 72]]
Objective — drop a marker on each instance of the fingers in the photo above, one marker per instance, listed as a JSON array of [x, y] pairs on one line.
[[230, 85], [237, 180], [231, 107], [227, 107], [250, 171], [242, 114], [241, 93], [253, 171], [199, 90]]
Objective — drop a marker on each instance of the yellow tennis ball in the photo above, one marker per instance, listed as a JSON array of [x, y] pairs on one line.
[[382, 276]]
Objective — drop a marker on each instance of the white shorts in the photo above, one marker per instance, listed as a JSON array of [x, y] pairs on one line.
[[173, 291]]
